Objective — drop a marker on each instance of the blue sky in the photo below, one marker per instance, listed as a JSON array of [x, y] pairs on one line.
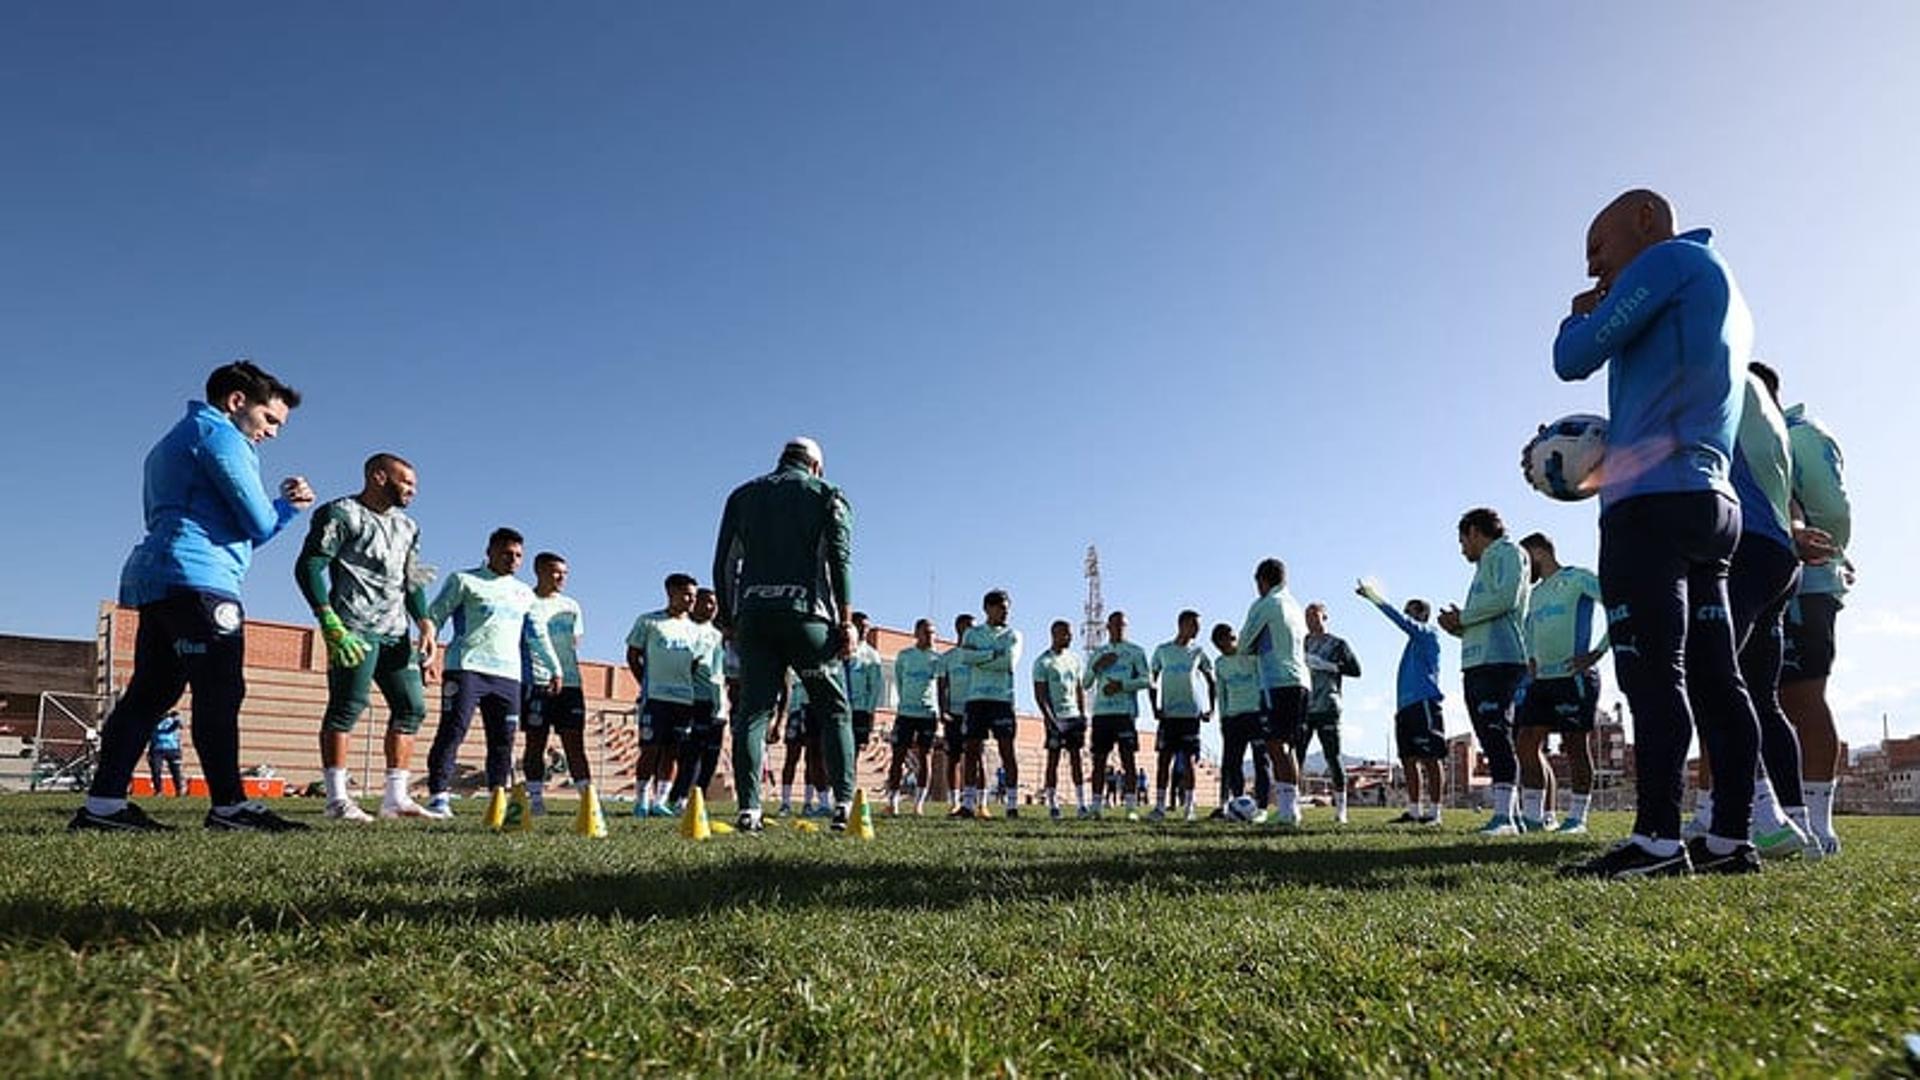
[[1197, 283]]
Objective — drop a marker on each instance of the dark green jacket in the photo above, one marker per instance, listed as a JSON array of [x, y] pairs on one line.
[[786, 545]]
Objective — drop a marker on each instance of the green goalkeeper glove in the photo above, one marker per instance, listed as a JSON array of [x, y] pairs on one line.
[[344, 647]]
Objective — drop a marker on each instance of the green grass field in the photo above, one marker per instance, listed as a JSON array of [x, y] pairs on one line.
[[1017, 948]]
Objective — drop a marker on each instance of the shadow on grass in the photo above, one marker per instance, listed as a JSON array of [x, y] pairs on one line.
[[792, 881]]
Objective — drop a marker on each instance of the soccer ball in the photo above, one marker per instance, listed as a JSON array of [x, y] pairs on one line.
[[1562, 461], [1242, 808]]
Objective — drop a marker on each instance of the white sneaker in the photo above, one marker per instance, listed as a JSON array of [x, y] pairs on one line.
[[347, 810], [439, 808], [408, 809], [1193, 814]]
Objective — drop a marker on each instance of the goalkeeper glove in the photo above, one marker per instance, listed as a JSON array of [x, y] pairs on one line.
[[344, 647]]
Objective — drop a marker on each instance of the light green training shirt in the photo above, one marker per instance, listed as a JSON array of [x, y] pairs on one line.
[[1493, 620], [1129, 668], [489, 615], [1059, 674], [1176, 667]]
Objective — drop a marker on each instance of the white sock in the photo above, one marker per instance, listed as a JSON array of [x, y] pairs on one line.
[[1503, 800], [1287, 800], [1531, 802], [662, 789], [1080, 791], [1703, 808], [1720, 845], [1013, 797], [398, 781], [1340, 804], [1819, 795], [1661, 848], [336, 781], [1192, 797], [920, 797], [1578, 804], [1766, 809], [1798, 815], [646, 796], [104, 807], [1435, 814]]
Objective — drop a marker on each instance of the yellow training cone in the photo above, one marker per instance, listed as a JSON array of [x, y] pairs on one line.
[[805, 826], [693, 823], [588, 821], [519, 811], [862, 825], [720, 828], [497, 809]]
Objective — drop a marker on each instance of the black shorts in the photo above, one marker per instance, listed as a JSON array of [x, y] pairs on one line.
[[709, 727], [800, 726], [1179, 735], [989, 718], [914, 731], [862, 728], [1810, 640], [1067, 733], [954, 734], [1420, 731], [1244, 727], [1491, 692], [564, 711], [665, 723], [1569, 704], [1286, 715], [1112, 731]]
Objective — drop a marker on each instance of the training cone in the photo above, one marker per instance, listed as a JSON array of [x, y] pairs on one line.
[[805, 826], [588, 821], [720, 828], [862, 824], [497, 809], [693, 822], [519, 811]]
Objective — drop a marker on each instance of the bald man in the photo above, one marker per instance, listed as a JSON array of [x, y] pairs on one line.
[[1666, 318]]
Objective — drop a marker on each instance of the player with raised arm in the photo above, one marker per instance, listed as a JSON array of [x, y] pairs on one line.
[[360, 572], [1563, 692], [1241, 703], [916, 678], [782, 566], [205, 514], [491, 614], [1329, 660], [564, 711], [1275, 633], [668, 654], [1419, 729], [1117, 672], [954, 679], [1666, 319], [992, 653], [1493, 652], [1172, 668], [1062, 699]]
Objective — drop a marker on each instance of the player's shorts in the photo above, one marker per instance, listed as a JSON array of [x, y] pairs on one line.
[[564, 711], [1322, 721], [1179, 735], [1067, 733], [800, 726], [709, 727], [1570, 704], [1491, 692], [1421, 732], [1114, 730], [914, 731], [665, 723], [1244, 727], [1286, 715], [862, 728], [392, 665], [954, 734], [989, 719], [1810, 637]]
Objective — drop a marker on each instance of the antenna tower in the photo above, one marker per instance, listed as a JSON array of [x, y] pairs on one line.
[[1093, 632]]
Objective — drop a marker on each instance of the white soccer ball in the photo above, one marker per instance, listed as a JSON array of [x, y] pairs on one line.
[[1562, 461], [1242, 808]]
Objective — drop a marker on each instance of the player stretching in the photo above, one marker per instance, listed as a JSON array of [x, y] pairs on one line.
[[1819, 487], [1063, 705], [916, 677], [205, 513], [954, 678], [1329, 660], [866, 681], [1241, 704], [1665, 313], [1493, 652], [1564, 692], [360, 573], [564, 711], [700, 751], [1178, 712], [667, 653], [490, 610], [1118, 671], [1418, 728], [1275, 633], [992, 652]]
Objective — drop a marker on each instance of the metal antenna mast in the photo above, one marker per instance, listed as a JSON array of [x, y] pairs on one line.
[[1093, 632]]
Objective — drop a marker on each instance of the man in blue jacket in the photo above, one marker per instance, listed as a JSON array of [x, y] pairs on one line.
[[1667, 320], [205, 513]]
